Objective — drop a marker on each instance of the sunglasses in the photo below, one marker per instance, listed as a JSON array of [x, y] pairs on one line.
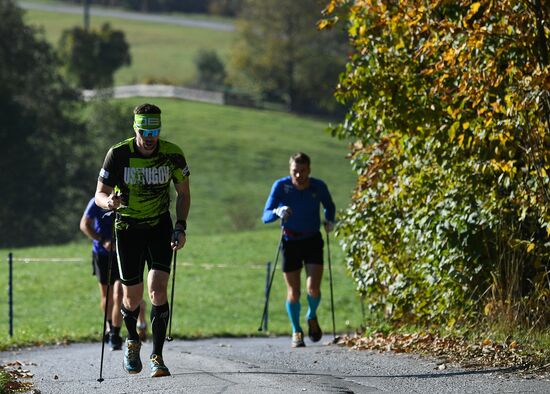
[[149, 133]]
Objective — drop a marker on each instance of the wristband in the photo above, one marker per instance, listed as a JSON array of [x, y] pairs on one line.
[[182, 223]]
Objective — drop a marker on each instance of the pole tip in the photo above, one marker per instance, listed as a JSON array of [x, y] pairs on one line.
[[100, 380]]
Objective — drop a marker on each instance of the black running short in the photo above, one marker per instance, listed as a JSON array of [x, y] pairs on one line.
[[137, 245], [100, 264], [296, 253]]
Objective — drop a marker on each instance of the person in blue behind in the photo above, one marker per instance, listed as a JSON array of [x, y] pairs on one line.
[[296, 200], [97, 226]]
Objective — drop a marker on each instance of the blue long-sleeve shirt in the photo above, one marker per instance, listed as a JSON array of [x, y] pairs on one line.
[[103, 224], [305, 205]]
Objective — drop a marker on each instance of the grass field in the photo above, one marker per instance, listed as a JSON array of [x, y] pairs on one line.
[[219, 291], [160, 52], [234, 154]]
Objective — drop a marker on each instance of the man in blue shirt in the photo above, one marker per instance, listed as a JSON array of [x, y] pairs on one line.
[[296, 200]]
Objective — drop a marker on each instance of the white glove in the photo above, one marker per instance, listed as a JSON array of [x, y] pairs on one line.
[[283, 212], [329, 226]]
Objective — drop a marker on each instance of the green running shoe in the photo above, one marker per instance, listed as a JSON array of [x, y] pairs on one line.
[[132, 362], [158, 368]]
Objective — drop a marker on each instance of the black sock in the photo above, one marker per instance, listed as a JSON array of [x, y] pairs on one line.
[[109, 325], [115, 330], [130, 319], [159, 322]]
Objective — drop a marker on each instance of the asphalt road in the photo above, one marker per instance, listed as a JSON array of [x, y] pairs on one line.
[[106, 12], [260, 365]]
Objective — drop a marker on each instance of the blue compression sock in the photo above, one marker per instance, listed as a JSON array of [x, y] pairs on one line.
[[293, 310], [313, 304]]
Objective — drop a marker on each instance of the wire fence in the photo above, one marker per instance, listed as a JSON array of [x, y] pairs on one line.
[[207, 266]]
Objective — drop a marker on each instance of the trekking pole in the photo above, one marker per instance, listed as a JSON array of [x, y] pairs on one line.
[[169, 336], [331, 292], [268, 274], [10, 293], [106, 299], [268, 291]]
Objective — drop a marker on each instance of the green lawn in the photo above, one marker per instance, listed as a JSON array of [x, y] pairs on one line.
[[160, 52], [220, 285]]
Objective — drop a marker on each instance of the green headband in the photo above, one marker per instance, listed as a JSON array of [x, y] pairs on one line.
[[147, 121]]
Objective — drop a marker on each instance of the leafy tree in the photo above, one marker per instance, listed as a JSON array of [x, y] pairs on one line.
[[91, 58], [38, 134], [282, 55], [450, 112], [51, 151], [210, 70]]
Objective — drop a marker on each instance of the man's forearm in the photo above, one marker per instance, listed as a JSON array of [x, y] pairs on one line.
[[89, 231], [101, 199], [183, 203]]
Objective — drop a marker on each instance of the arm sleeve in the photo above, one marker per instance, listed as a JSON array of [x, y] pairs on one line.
[[107, 174], [272, 202], [181, 169], [328, 204]]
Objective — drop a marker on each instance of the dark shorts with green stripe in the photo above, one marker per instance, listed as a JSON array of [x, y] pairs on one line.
[[140, 244]]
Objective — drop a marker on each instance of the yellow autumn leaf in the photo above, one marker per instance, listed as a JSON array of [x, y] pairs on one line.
[[530, 247], [449, 55], [460, 139], [497, 107], [322, 24], [466, 125], [475, 7], [505, 167], [452, 131]]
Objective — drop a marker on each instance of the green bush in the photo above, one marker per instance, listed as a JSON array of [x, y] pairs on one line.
[[450, 109]]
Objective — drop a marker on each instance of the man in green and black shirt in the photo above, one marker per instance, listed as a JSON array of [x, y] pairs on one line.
[[135, 181]]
